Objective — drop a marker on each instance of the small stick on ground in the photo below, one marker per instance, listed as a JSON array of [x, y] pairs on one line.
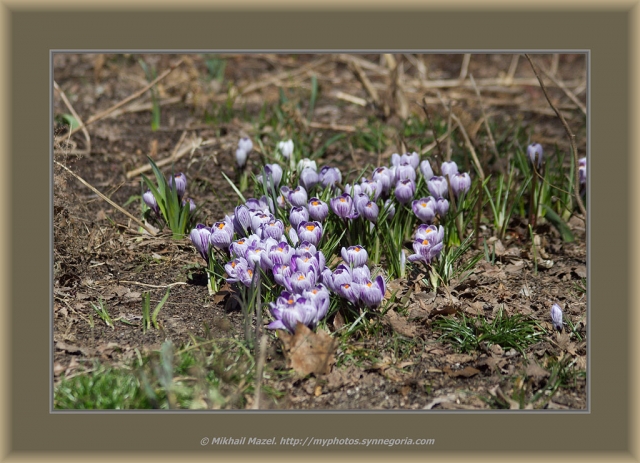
[[131, 97], [572, 139], [85, 183], [440, 154], [74, 114]]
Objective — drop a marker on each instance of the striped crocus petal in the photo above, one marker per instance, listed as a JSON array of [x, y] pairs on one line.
[[442, 207], [245, 276], [233, 267], [372, 188], [405, 172], [200, 239], [371, 294], [220, 235], [303, 312], [556, 317], [301, 281], [424, 209], [309, 178], [355, 255], [438, 187], [273, 229], [349, 291], [449, 168], [305, 247], [318, 210], [460, 183], [431, 233], [280, 273], [242, 220], [310, 231], [180, 182], [342, 205], [385, 177], [330, 176], [341, 275], [298, 196], [426, 170], [297, 215], [405, 189], [361, 274], [150, 201], [273, 174]]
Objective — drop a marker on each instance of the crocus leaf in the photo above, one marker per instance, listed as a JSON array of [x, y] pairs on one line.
[[560, 224]]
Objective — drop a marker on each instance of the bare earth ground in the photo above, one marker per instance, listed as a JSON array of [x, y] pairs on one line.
[[99, 253]]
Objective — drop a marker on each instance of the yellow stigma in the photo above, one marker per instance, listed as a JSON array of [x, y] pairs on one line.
[[423, 204], [310, 227], [315, 203], [301, 277]]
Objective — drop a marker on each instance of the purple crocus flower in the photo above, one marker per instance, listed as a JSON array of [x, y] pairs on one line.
[[372, 292], [438, 187], [341, 275], [242, 220], [274, 172], [430, 233], [241, 157], [426, 170], [361, 274], [281, 272], [221, 235], [254, 255], [353, 190], [297, 215], [442, 207], [255, 205], [372, 188], [200, 238], [582, 170], [355, 256], [370, 211], [192, 204], [259, 218], [385, 176], [180, 181], [320, 298], [424, 209], [318, 210], [329, 176], [280, 253], [359, 201], [305, 262], [309, 178], [390, 207], [305, 247], [293, 236], [297, 196], [556, 317], [405, 171], [342, 206], [449, 168], [460, 183], [304, 312], [272, 229], [425, 251], [239, 247], [349, 291], [411, 159], [310, 231], [150, 201], [245, 276], [405, 189], [534, 153], [245, 144], [300, 281], [232, 267]]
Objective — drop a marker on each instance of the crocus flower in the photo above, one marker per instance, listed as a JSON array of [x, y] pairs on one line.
[[304, 312], [405, 189], [426, 170], [425, 251], [150, 201], [582, 170], [438, 187], [200, 238], [424, 209], [297, 215], [280, 253], [449, 168], [329, 176], [309, 178], [298, 196], [259, 218], [242, 220], [359, 201], [372, 188], [460, 183], [281, 272], [300, 281], [305, 247], [245, 276], [320, 298], [442, 207], [192, 204], [254, 255], [239, 247], [370, 211], [349, 291], [341, 275], [274, 172], [354, 255], [372, 292], [342, 206], [306, 163], [241, 157], [361, 274], [390, 208], [534, 153], [233, 267], [286, 148], [293, 236], [412, 159], [180, 181], [353, 190], [310, 231], [318, 210], [221, 235], [245, 144], [261, 204], [430, 233], [272, 229], [556, 317], [405, 171], [307, 261], [385, 176]]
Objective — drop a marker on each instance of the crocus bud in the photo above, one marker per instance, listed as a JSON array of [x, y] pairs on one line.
[[298, 196], [307, 163], [242, 220], [372, 188], [200, 239], [370, 211], [241, 157], [274, 172], [405, 189], [329, 176], [438, 187], [424, 209], [582, 170], [318, 210], [361, 274], [413, 159], [385, 177], [390, 208], [297, 215], [245, 144], [286, 148], [308, 178], [449, 168], [405, 171], [425, 168], [442, 207], [273, 229], [556, 317], [460, 183], [180, 181], [150, 201], [192, 204], [534, 153]]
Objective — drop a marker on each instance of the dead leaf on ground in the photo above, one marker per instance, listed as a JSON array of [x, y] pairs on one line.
[[72, 349], [446, 310], [458, 358], [308, 352], [466, 372], [400, 324], [536, 371]]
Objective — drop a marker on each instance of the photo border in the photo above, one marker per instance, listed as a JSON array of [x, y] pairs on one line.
[[25, 35]]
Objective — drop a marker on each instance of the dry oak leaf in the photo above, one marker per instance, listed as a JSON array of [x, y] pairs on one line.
[[308, 352], [399, 324], [467, 372]]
